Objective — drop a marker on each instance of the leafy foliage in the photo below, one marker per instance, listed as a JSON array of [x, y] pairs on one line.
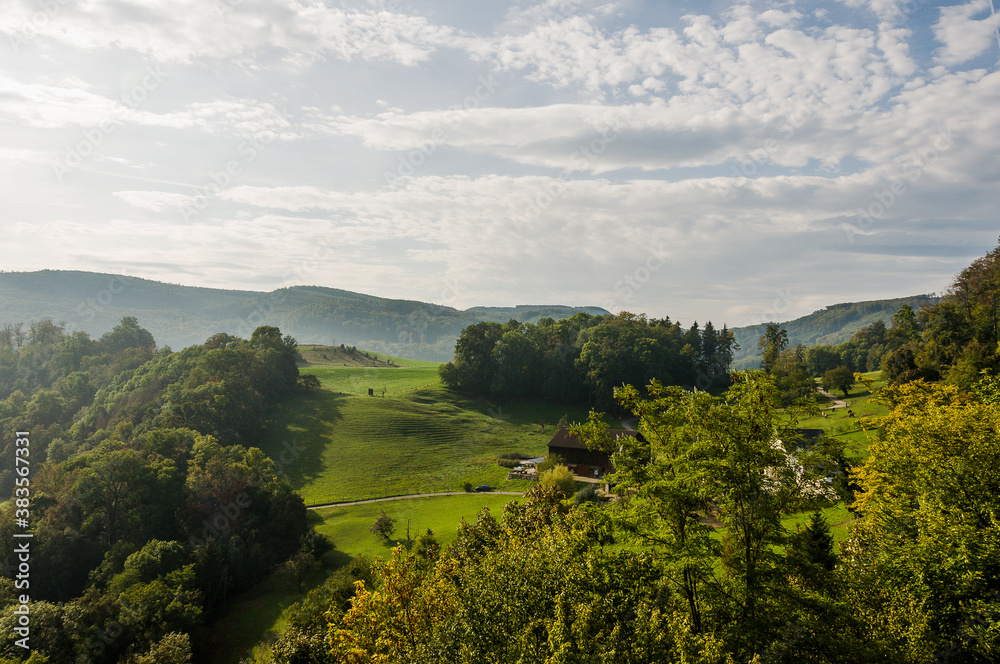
[[923, 560], [145, 519], [583, 358]]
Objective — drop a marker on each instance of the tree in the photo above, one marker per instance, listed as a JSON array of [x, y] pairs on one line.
[[173, 648], [427, 546], [810, 553], [866, 380], [310, 383], [771, 343], [301, 565], [922, 558], [127, 334], [733, 456], [384, 526], [820, 359], [559, 478], [551, 461], [840, 378]]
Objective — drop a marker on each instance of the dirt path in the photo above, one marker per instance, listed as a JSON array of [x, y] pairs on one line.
[[417, 495], [837, 403]]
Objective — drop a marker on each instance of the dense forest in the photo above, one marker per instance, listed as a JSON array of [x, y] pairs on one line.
[[582, 358], [830, 326], [149, 504]]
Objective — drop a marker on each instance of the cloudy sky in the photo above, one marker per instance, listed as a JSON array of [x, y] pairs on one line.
[[733, 161]]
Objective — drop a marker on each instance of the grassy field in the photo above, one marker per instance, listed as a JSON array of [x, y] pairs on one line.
[[348, 526], [250, 616], [840, 425], [338, 444], [261, 609], [837, 516]]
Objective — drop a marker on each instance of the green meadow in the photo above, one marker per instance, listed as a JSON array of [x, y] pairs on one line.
[[337, 444], [261, 609], [348, 526], [841, 426]]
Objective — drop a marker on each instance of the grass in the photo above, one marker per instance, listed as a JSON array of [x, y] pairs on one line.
[[838, 424], [335, 445], [358, 380], [338, 444], [837, 516], [347, 526], [249, 616], [262, 609]]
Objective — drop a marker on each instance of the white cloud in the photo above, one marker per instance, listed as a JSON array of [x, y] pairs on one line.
[[886, 10], [157, 201], [73, 103], [603, 130], [183, 30], [962, 36]]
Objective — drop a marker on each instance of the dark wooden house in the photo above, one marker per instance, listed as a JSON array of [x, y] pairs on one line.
[[581, 459]]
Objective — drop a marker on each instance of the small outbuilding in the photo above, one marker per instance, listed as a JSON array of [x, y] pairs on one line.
[[581, 459]]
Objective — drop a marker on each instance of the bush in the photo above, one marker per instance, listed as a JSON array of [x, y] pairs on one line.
[[559, 478], [588, 494], [467, 486], [508, 463], [551, 461]]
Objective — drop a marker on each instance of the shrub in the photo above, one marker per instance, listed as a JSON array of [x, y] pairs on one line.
[[559, 478], [588, 494]]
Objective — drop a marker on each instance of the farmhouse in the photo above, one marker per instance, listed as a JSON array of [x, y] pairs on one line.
[[579, 458]]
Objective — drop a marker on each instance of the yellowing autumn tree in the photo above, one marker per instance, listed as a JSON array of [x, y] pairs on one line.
[[924, 559]]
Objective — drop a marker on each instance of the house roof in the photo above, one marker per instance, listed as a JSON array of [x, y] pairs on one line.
[[564, 438]]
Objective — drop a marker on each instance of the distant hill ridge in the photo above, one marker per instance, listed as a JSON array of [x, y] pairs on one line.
[[180, 316], [831, 325]]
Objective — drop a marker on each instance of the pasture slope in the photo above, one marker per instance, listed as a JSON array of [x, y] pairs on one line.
[[338, 444]]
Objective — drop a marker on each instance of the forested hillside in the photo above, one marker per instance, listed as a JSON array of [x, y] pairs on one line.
[[147, 502], [829, 326], [180, 316], [151, 506]]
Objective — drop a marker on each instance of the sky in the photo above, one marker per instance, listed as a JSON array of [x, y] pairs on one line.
[[734, 161]]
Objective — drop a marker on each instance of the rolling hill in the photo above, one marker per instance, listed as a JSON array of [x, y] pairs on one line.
[[179, 316], [832, 325]]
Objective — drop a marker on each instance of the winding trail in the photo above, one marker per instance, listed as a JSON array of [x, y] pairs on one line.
[[416, 495], [837, 403]]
